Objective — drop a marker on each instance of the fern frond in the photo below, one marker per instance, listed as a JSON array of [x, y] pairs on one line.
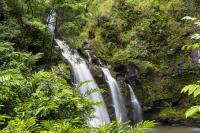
[[5, 48], [192, 111], [10, 77], [32, 59], [36, 57], [143, 126], [191, 47], [192, 89]]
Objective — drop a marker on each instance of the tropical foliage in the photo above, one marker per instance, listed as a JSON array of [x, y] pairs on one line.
[[193, 89], [36, 94], [145, 42]]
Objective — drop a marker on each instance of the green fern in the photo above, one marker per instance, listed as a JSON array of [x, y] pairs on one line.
[[191, 47], [143, 126], [193, 89], [32, 59], [11, 77], [192, 111], [119, 127], [21, 126]]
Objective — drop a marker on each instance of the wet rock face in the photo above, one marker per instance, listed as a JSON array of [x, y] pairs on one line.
[[1, 11], [86, 45], [180, 62], [127, 73], [90, 54], [132, 74], [1, 15]]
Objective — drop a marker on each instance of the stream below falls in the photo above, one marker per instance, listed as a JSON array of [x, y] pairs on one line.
[[174, 129]]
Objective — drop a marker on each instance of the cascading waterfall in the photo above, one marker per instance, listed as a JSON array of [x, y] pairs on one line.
[[89, 56], [51, 20], [81, 73], [119, 106], [198, 53], [195, 55], [137, 110]]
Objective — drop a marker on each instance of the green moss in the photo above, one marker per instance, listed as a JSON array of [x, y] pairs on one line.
[[174, 112], [164, 90], [95, 70]]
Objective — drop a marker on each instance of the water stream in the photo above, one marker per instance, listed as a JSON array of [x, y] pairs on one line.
[[89, 57], [173, 129], [118, 102], [136, 107], [81, 73], [51, 20]]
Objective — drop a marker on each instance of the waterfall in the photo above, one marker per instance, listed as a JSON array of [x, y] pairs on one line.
[[137, 110], [195, 55], [51, 20], [81, 73], [89, 56], [198, 53], [119, 106]]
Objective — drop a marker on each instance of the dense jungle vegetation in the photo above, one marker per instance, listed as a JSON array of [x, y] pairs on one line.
[[152, 44]]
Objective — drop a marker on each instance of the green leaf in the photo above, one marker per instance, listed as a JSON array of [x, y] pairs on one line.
[[197, 91], [189, 88], [192, 111]]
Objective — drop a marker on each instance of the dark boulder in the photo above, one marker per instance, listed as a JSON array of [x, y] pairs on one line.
[[1, 12], [127, 74], [1, 16]]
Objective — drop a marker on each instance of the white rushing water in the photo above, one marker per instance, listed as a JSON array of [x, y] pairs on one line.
[[51, 20], [137, 110], [82, 73], [118, 102], [89, 56]]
